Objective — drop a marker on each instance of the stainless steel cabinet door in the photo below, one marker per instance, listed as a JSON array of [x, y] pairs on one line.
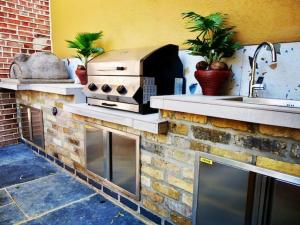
[[25, 122], [222, 195], [97, 159], [285, 204], [124, 162], [32, 124], [37, 127]]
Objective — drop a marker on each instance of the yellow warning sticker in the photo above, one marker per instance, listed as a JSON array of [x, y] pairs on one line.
[[205, 160]]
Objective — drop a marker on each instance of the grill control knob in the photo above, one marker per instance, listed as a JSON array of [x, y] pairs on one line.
[[121, 89], [92, 87], [106, 88], [121, 68]]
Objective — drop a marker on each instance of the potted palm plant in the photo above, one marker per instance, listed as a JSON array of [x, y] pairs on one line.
[[214, 42], [86, 51]]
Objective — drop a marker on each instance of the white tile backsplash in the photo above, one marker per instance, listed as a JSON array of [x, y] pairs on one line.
[[282, 82], [71, 65]]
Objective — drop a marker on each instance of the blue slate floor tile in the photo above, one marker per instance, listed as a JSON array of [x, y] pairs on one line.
[[4, 198], [10, 214], [24, 170], [88, 212], [39, 186], [55, 191], [13, 153]]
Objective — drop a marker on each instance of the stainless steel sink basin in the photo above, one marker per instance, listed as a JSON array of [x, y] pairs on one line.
[[266, 101]]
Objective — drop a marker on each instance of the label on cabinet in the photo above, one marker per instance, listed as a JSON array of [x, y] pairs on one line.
[[205, 160]]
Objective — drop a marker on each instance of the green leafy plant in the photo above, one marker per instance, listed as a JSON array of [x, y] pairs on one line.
[[214, 40], [84, 43]]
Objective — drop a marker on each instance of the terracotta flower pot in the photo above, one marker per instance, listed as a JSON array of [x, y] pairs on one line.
[[81, 74], [212, 82]]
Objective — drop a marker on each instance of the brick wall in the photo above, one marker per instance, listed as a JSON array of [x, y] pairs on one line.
[[8, 118], [24, 28]]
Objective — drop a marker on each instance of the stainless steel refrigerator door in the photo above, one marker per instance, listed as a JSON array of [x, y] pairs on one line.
[[124, 162], [37, 127], [32, 125], [285, 204], [97, 155], [222, 195], [25, 122]]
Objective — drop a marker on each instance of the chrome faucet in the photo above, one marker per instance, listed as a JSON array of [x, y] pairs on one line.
[[252, 84]]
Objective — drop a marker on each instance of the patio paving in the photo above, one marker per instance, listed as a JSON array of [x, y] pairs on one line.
[[35, 192]]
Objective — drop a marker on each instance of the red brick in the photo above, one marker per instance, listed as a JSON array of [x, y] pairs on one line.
[[7, 100], [43, 17], [24, 3], [3, 25], [3, 14], [6, 49], [13, 44], [25, 23], [11, 5], [32, 15], [43, 27], [25, 18], [28, 45], [23, 33], [12, 15], [8, 31], [16, 50], [24, 51], [25, 29], [17, 22], [39, 31], [10, 10], [7, 55], [11, 26], [32, 25], [9, 142]]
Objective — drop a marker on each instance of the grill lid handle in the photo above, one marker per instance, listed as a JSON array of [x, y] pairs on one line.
[[120, 68]]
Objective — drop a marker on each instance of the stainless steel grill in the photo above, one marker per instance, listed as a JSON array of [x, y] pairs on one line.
[[126, 79]]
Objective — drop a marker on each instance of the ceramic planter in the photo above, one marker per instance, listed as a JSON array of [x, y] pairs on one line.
[[212, 82], [81, 74]]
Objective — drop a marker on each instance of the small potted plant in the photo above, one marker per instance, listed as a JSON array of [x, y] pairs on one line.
[[214, 41], [86, 51]]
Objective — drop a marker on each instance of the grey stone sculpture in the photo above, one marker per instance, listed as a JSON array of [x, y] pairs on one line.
[[39, 65]]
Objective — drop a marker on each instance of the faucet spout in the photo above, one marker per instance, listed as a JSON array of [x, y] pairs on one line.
[[253, 65]]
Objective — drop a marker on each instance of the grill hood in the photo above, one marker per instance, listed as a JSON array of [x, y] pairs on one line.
[[127, 62]]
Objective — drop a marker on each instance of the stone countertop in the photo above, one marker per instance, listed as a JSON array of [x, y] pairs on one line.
[[151, 123], [57, 88], [218, 106]]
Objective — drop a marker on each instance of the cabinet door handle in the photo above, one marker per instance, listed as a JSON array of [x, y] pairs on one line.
[[110, 105]]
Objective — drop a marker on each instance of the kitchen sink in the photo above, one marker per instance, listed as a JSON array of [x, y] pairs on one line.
[[266, 101]]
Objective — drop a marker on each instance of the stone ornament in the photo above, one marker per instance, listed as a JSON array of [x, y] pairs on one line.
[[39, 65]]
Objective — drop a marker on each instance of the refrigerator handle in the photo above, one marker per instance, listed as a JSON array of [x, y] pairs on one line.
[[268, 196], [251, 194], [107, 155]]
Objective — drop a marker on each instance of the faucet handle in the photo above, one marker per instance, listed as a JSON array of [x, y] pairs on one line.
[[260, 80], [259, 86]]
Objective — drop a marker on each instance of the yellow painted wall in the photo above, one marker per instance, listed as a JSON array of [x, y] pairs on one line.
[[137, 23]]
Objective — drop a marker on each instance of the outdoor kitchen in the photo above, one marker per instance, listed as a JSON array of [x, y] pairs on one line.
[[161, 130]]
